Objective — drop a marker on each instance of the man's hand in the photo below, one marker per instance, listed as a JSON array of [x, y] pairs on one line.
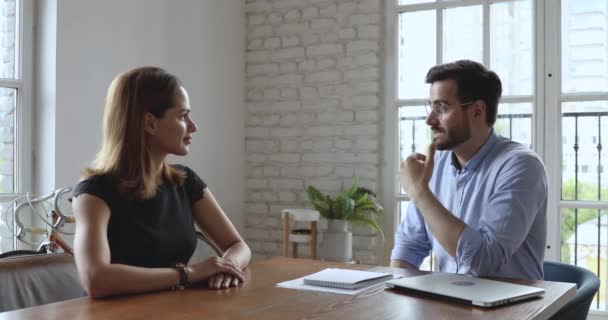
[[415, 175], [416, 171]]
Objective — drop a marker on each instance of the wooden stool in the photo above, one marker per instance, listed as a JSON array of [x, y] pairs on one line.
[[300, 235]]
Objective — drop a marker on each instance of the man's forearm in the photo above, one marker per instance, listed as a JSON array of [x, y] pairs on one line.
[[402, 264], [445, 226]]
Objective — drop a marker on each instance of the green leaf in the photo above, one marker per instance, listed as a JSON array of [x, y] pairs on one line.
[[319, 201], [314, 194], [356, 204], [362, 199], [343, 207], [363, 219], [330, 211], [371, 206], [352, 191], [322, 207], [362, 190]]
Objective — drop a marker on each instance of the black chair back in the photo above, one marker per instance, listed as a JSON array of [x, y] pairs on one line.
[[587, 285]]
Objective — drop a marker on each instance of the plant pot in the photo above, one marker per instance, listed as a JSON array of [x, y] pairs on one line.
[[337, 244]]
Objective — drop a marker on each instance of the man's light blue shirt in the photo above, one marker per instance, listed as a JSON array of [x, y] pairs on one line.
[[501, 196]]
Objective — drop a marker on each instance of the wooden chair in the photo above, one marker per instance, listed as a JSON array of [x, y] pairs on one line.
[[298, 236]]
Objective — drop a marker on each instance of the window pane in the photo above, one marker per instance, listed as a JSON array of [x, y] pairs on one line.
[[6, 237], [404, 2], [584, 46], [514, 121], [7, 138], [584, 243], [8, 39], [462, 35], [584, 131], [414, 134], [416, 52], [511, 52]]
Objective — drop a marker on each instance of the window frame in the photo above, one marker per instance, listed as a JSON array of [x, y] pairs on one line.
[[547, 110], [24, 118], [393, 104]]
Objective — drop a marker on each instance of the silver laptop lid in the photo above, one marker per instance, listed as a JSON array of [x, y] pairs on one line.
[[463, 288]]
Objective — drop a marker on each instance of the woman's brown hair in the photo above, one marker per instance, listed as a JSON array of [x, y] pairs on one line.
[[124, 151]]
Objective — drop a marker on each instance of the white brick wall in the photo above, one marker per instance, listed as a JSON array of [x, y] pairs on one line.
[[313, 109]]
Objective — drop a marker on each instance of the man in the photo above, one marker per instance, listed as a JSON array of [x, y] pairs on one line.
[[480, 201]]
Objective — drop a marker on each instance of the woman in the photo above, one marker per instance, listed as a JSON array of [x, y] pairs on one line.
[[135, 213]]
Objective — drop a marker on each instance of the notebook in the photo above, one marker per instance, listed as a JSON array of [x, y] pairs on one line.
[[345, 278], [466, 289]]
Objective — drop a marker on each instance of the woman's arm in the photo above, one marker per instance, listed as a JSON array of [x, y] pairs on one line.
[[215, 223], [101, 278]]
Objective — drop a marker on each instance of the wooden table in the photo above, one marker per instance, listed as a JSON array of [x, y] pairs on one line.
[[258, 298]]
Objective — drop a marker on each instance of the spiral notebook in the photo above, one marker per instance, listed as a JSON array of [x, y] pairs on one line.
[[346, 278]]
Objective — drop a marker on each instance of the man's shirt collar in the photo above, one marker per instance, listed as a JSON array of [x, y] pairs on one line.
[[478, 157]]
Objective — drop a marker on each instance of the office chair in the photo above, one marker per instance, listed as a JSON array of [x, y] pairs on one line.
[[31, 280], [15, 253], [587, 284]]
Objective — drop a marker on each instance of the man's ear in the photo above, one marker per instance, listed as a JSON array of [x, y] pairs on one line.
[[150, 123], [479, 109]]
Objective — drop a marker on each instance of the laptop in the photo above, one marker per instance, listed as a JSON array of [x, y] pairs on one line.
[[466, 289]]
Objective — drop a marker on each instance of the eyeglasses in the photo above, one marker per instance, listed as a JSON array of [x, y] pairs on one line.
[[441, 108]]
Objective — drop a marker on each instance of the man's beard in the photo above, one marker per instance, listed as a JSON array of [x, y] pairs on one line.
[[454, 136]]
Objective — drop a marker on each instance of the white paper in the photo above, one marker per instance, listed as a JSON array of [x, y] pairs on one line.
[[337, 277], [298, 284]]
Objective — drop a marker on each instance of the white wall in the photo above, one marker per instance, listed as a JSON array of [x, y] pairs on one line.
[[44, 97], [199, 41]]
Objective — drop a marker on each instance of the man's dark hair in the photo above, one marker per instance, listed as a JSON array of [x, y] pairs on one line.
[[474, 81]]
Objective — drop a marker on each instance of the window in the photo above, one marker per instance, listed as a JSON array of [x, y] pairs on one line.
[[583, 103], [15, 113], [448, 31], [555, 100]]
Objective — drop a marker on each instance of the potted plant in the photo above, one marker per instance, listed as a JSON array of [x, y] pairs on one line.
[[357, 205]]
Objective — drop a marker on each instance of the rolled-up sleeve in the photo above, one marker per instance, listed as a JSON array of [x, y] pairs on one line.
[[411, 239], [520, 193]]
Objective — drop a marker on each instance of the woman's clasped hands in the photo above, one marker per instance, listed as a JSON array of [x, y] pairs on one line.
[[221, 273]]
